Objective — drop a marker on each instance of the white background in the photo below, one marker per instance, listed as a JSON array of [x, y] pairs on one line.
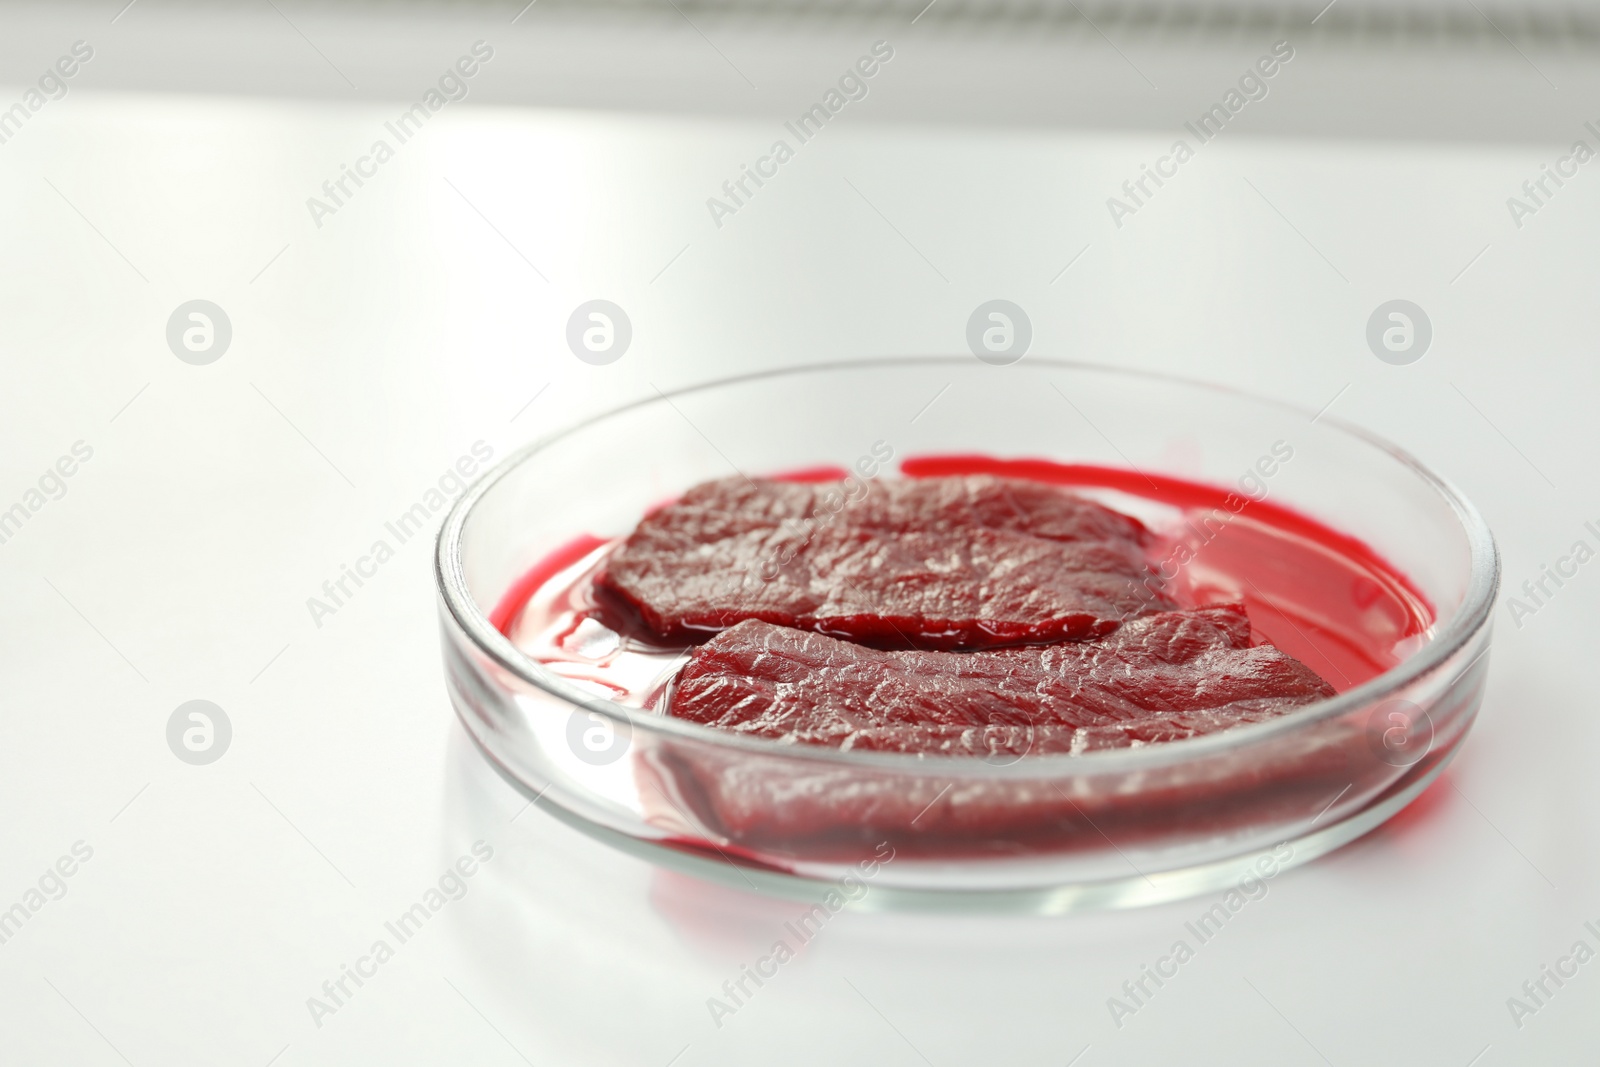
[[425, 315]]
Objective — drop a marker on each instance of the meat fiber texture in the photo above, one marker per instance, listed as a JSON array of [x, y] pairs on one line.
[[1162, 677], [960, 562]]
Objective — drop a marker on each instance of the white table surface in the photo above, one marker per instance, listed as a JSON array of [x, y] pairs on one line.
[[370, 353]]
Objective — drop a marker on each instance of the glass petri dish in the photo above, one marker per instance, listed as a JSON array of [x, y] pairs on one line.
[[1040, 834]]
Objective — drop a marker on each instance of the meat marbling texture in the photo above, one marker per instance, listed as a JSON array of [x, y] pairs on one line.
[[1161, 677], [959, 562]]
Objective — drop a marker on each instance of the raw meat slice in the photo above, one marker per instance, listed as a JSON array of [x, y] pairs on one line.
[[1162, 677], [959, 562]]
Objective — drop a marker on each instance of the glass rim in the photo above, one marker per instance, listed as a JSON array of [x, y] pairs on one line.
[[1469, 619]]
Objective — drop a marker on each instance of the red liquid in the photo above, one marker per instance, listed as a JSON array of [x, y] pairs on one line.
[[1324, 597]]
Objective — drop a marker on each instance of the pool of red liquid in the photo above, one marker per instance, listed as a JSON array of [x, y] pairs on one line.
[[1324, 597]]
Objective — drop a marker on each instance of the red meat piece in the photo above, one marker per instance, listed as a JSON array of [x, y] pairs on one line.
[[1162, 677], [959, 562]]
